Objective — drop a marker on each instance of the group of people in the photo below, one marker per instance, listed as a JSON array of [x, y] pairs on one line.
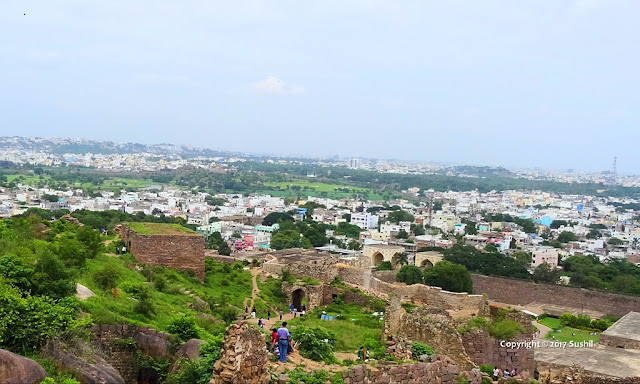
[[294, 310], [363, 355], [281, 342], [122, 250], [505, 373]]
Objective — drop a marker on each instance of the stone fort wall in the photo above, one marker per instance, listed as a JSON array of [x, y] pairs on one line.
[[439, 370], [171, 251], [522, 292]]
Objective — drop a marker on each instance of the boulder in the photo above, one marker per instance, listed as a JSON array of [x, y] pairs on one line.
[[83, 293], [152, 345], [16, 369], [98, 371], [190, 351]]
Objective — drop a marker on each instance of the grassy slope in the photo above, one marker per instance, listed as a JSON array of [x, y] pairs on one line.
[[566, 333], [109, 309], [160, 229]]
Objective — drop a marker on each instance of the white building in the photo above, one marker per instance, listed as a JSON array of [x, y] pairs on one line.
[[364, 220]]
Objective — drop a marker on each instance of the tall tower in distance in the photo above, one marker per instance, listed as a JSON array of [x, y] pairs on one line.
[[355, 163], [614, 172]]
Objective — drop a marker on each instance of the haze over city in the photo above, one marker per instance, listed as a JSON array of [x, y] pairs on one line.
[[516, 84]]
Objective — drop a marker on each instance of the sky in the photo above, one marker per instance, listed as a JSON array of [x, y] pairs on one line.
[[544, 83]]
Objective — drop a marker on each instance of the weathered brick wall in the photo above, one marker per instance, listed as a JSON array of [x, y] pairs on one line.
[[619, 342], [386, 276], [316, 295], [109, 338], [324, 270], [484, 349], [522, 292], [171, 251], [440, 370], [244, 358]]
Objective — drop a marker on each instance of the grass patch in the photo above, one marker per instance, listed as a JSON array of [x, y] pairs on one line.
[[560, 333], [160, 229], [271, 292], [354, 327]]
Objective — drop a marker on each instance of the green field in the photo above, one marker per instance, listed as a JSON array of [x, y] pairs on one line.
[[113, 184], [318, 189], [566, 333]]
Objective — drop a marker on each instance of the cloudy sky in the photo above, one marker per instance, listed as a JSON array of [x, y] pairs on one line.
[[553, 84]]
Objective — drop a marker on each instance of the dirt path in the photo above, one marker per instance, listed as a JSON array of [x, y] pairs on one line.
[[543, 329], [250, 302]]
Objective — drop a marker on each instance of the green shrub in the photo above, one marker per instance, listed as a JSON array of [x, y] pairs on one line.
[[184, 328], [600, 324], [298, 374], [160, 283], [310, 280], [418, 349], [144, 305], [408, 306], [410, 274], [487, 368], [200, 370], [378, 305], [475, 323], [106, 277], [385, 266], [287, 276], [505, 329], [311, 343]]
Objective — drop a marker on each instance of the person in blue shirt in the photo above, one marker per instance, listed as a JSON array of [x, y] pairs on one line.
[[283, 341]]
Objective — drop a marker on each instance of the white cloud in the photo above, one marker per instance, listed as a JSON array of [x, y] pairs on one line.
[[155, 79], [274, 85]]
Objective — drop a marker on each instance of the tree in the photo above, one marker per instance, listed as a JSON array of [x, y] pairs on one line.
[[354, 245], [14, 272], [400, 215], [417, 230], [449, 276], [402, 234], [275, 217], [385, 266], [593, 234], [523, 258], [410, 274], [513, 244], [224, 249], [543, 273], [490, 247], [566, 237], [470, 228], [91, 239], [615, 241]]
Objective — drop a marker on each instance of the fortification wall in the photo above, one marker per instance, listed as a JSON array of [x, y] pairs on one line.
[[244, 358], [522, 292], [484, 349], [171, 251], [619, 342], [440, 369]]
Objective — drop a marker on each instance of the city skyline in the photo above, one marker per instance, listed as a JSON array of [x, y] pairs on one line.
[[531, 85]]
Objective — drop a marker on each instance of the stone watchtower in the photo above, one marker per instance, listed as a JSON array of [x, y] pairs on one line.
[[169, 245]]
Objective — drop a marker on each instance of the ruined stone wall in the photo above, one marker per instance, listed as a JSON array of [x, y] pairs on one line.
[[273, 267], [432, 327], [522, 292], [558, 374], [619, 342], [324, 269], [484, 349], [316, 295], [171, 251], [432, 296], [440, 369], [244, 357], [112, 340], [385, 276]]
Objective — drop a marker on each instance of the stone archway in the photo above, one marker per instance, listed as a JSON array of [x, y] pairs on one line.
[[297, 296], [396, 259], [377, 258], [426, 263]]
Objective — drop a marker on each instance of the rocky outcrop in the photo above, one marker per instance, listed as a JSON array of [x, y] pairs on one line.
[[189, 351], [83, 293], [16, 369], [90, 369], [244, 357]]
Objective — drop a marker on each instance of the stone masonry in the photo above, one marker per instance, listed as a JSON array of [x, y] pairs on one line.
[[522, 292], [177, 250], [440, 370], [244, 357]]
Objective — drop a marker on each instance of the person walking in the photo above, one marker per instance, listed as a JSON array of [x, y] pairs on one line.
[[268, 315], [253, 314], [280, 315], [291, 307], [274, 338], [283, 341]]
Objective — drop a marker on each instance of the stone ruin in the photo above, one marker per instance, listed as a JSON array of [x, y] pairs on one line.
[[440, 369], [244, 357]]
